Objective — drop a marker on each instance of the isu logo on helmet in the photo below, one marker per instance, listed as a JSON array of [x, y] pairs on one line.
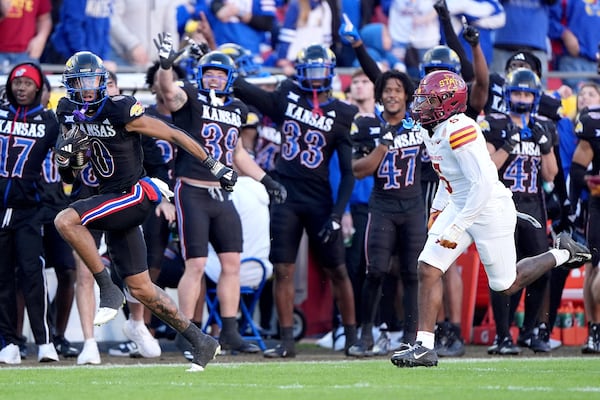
[[440, 95]]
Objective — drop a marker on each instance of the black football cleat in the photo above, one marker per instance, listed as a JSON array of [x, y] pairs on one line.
[[579, 253], [279, 351], [415, 356]]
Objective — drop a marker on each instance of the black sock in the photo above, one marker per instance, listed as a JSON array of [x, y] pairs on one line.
[[500, 307], [287, 337], [103, 279], [192, 333]]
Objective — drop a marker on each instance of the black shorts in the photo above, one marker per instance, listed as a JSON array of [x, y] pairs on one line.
[[116, 211], [205, 215], [156, 235], [395, 233], [530, 241], [57, 253], [120, 215], [288, 221]]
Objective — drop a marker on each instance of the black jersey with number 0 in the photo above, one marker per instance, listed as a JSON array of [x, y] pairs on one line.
[[116, 154]]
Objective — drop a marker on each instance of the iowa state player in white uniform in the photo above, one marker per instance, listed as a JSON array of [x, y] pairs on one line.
[[471, 205]]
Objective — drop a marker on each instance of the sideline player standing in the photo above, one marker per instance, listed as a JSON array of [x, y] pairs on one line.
[[215, 118], [313, 125]]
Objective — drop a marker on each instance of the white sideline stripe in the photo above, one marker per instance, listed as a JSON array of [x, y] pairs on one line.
[[269, 364]]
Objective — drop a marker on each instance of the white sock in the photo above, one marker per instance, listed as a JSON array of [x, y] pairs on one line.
[[560, 255], [426, 338], [136, 323]]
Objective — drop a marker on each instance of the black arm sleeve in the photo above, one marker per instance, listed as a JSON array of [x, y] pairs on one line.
[[251, 94], [560, 183], [577, 182], [466, 68], [346, 181], [367, 63]]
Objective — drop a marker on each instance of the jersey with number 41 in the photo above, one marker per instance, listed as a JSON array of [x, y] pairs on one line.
[[468, 177]]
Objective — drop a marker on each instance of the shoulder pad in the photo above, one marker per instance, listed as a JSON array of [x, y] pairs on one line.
[[136, 109], [542, 118], [588, 124], [484, 125], [497, 115], [252, 119]]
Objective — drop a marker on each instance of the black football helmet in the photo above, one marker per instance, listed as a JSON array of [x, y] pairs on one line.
[[217, 60], [242, 57], [522, 80], [315, 68], [440, 58], [84, 72]]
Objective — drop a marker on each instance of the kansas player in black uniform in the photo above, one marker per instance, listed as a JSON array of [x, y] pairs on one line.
[[27, 132], [548, 106], [521, 146], [389, 147], [57, 254], [313, 125], [586, 152], [113, 127], [215, 118]]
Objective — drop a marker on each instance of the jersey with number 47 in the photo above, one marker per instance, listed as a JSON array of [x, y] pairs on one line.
[[468, 177]]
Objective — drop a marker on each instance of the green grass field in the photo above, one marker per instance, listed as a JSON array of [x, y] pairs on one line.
[[518, 378]]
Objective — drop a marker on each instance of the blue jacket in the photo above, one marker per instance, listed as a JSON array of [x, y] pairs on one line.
[[84, 25], [582, 18], [526, 25]]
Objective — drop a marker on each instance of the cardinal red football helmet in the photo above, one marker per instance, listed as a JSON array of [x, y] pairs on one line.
[[440, 95]]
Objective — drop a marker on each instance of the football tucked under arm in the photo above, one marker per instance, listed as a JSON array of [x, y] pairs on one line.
[[72, 148]]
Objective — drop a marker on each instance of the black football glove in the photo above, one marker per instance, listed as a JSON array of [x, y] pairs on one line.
[[542, 138], [386, 135], [471, 35], [331, 229], [196, 50], [70, 143], [513, 137], [227, 177], [276, 190], [166, 54], [441, 8]]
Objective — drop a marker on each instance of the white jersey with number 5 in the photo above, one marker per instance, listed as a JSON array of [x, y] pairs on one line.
[[472, 198]]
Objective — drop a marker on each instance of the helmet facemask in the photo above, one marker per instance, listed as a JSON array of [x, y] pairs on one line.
[[219, 61], [85, 76], [522, 80], [440, 95], [315, 69]]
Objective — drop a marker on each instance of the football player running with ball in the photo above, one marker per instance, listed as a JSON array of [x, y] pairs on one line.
[[113, 127], [471, 205]]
